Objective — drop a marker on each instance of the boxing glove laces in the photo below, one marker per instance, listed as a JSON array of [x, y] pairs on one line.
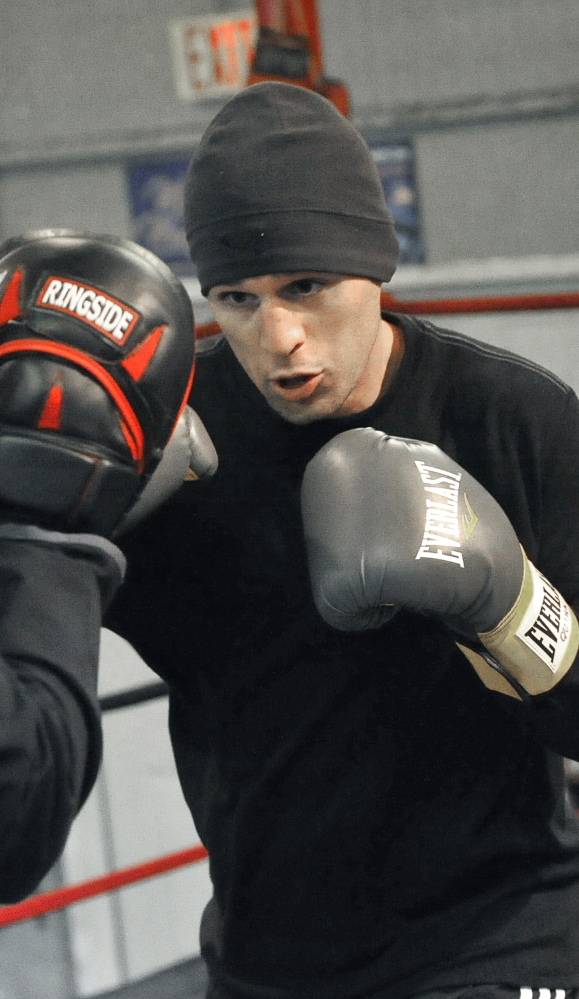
[[392, 523]]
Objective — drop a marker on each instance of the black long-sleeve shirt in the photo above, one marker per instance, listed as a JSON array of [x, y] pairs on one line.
[[378, 822]]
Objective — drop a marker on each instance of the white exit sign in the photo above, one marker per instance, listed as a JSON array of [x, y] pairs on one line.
[[211, 54]]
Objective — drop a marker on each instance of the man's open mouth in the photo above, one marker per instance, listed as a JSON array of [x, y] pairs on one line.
[[297, 387], [294, 381]]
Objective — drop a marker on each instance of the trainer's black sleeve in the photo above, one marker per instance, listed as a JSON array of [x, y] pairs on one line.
[[50, 738]]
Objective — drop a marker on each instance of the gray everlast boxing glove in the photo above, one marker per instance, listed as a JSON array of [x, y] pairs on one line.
[[392, 523], [96, 363]]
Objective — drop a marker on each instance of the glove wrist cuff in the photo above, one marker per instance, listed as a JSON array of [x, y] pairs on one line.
[[538, 639]]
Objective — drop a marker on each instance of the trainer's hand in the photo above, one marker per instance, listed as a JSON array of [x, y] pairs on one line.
[[96, 363], [393, 523]]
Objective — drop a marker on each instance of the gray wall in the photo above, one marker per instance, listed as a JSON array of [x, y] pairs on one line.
[[500, 190], [74, 75], [78, 196], [489, 88], [508, 185], [404, 51]]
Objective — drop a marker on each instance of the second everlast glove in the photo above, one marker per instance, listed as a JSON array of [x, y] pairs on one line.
[[392, 523], [96, 363]]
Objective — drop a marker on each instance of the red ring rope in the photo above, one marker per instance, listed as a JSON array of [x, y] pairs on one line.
[[499, 303], [60, 898]]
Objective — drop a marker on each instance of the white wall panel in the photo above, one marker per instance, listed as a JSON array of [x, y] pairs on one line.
[[500, 190], [80, 197], [71, 69], [396, 51]]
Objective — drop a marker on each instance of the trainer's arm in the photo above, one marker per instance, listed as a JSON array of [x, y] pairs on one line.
[[51, 603]]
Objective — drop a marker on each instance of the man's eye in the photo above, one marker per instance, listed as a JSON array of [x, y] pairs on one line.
[[234, 297], [306, 286]]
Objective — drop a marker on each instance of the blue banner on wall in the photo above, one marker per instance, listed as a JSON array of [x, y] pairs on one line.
[[395, 162], [156, 191]]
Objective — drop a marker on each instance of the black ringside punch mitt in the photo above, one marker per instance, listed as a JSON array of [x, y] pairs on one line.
[[97, 353]]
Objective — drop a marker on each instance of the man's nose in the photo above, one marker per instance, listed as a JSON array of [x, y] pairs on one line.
[[281, 330]]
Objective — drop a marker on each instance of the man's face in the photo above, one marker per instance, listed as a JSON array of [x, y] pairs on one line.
[[313, 344]]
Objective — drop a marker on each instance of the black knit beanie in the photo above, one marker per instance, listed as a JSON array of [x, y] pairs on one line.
[[282, 182]]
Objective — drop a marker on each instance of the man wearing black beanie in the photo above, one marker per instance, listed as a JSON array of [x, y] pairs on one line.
[[283, 181], [365, 618]]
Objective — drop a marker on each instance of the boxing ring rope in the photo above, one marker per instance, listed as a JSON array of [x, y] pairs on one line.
[[498, 303], [61, 898], [136, 695]]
